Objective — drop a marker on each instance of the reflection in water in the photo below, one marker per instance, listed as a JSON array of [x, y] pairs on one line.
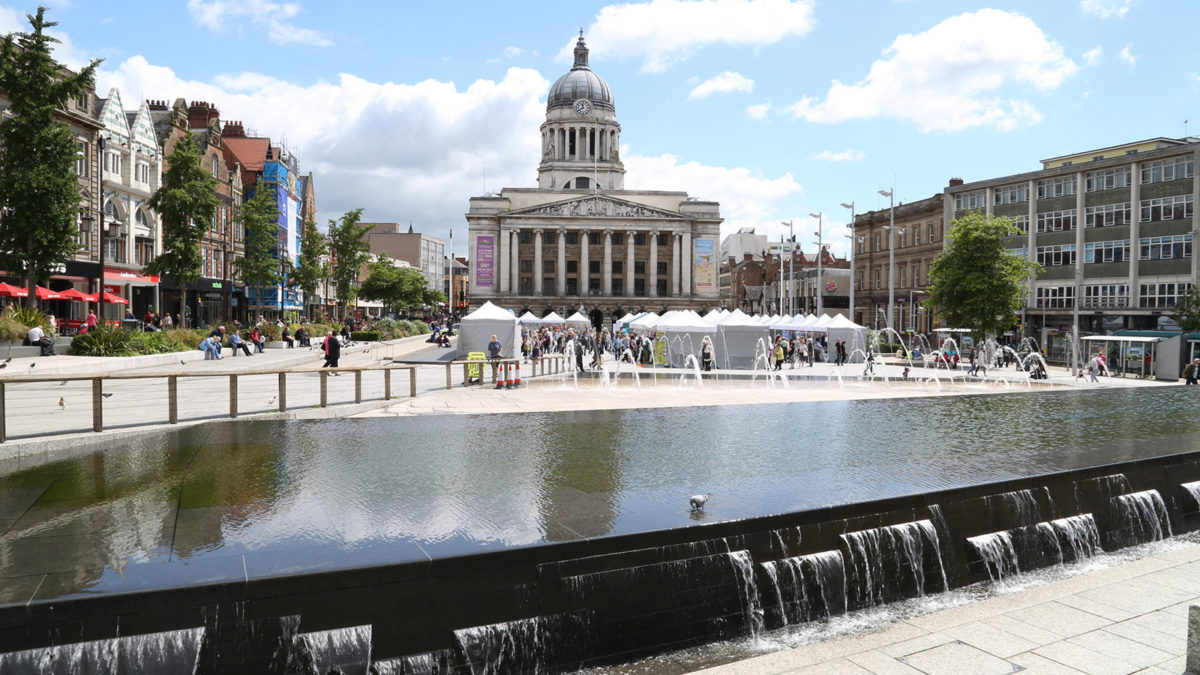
[[228, 499]]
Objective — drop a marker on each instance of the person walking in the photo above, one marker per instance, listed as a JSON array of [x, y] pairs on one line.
[[1190, 371], [779, 355], [706, 354], [333, 350]]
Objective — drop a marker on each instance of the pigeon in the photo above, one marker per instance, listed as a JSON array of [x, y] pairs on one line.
[[63, 383], [271, 401], [8, 359], [106, 394], [32, 366], [4, 365], [62, 403], [698, 501], [182, 362]]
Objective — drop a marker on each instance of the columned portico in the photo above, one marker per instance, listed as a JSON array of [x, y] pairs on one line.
[[652, 270], [514, 265], [503, 261], [537, 261], [607, 271], [675, 265], [629, 267], [560, 270]]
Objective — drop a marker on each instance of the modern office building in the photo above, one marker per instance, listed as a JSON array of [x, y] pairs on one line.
[[422, 251], [1113, 228]]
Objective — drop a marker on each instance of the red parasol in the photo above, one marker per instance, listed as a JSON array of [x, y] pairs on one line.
[[108, 297], [10, 291], [47, 294], [72, 294]]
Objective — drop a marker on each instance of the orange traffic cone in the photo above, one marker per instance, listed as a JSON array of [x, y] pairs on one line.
[[500, 368], [517, 367]]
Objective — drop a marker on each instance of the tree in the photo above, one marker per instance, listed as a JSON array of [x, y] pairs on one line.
[[39, 190], [349, 249], [1187, 311], [976, 282], [312, 267], [186, 203], [259, 266], [395, 287], [432, 298]]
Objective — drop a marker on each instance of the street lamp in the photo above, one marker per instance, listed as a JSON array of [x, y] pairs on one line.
[[791, 267], [101, 143], [1075, 321], [284, 267], [890, 194], [853, 241], [820, 245]]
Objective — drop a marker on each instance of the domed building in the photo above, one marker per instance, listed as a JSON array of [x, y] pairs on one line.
[[580, 240]]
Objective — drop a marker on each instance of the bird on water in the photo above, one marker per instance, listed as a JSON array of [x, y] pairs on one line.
[[698, 501]]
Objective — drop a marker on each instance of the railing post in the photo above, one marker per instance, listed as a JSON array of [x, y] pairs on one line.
[[466, 374], [324, 388], [3, 418], [233, 403], [358, 386], [448, 367], [412, 382], [97, 405], [282, 391], [387, 384], [173, 399]]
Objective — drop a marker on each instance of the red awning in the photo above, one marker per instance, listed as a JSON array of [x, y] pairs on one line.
[[108, 297], [72, 294], [10, 291], [47, 294]]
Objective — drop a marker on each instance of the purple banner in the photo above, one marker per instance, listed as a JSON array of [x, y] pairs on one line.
[[485, 256]]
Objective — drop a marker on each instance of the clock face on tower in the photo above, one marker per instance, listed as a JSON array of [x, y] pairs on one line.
[[582, 107]]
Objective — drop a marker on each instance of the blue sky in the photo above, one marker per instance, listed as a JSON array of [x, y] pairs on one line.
[[777, 109]]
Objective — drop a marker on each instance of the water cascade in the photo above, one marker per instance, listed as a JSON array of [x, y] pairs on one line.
[[1043, 544], [998, 554], [168, 652], [888, 563], [751, 605], [542, 643], [1140, 517], [807, 587], [1193, 489]]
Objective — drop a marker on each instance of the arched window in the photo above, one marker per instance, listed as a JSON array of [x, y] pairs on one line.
[[141, 218]]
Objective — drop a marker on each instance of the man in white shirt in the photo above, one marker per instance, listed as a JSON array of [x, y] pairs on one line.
[[37, 337]]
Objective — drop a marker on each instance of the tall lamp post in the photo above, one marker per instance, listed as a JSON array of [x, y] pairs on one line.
[[284, 267], [853, 248], [1075, 322], [780, 274], [791, 267], [891, 228], [100, 285], [913, 308], [820, 251]]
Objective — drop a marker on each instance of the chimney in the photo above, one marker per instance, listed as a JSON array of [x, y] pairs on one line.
[[199, 112], [233, 130], [955, 182], [157, 105], [747, 256]]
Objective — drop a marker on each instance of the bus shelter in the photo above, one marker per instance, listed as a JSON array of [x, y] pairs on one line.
[[1135, 356]]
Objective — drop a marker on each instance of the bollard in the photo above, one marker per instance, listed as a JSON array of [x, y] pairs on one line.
[[97, 405], [412, 381], [387, 384], [173, 399], [282, 391], [233, 403], [1193, 639], [324, 388], [449, 384], [358, 386]]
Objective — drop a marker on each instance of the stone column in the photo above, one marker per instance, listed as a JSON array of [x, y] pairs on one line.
[[584, 275], [560, 270], [606, 272], [675, 264], [685, 264], [537, 261], [629, 275], [504, 258], [515, 265], [652, 272]]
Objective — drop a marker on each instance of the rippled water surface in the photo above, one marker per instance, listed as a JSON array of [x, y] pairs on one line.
[[227, 500]]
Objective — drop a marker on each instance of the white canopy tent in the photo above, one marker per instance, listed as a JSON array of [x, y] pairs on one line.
[[644, 322], [738, 340], [623, 321], [714, 316], [552, 319], [528, 319], [577, 320], [477, 328], [684, 332], [854, 335]]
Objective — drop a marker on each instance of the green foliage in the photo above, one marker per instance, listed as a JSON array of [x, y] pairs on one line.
[[395, 287], [259, 266], [29, 317], [415, 328], [348, 246], [39, 191], [1187, 311], [432, 298], [271, 332], [976, 282], [312, 267], [189, 338], [186, 203], [104, 341], [366, 335], [12, 330], [159, 342]]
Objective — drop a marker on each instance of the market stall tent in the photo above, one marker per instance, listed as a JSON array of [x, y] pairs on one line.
[[738, 340], [477, 328], [684, 332]]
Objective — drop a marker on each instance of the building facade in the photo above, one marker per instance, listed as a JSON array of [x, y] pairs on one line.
[[1113, 229], [917, 240], [422, 251], [580, 241]]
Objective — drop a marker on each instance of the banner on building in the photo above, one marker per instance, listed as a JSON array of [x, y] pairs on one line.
[[485, 259], [705, 263]]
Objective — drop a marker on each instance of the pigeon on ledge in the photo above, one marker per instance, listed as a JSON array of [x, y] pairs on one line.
[[698, 501]]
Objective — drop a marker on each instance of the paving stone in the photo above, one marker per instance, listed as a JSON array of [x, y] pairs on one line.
[[1025, 631], [1121, 648], [1083, 659], [1040, 665], [958, 657], [1100, 609], [918, 644], [839, 666], [1060, 619], [1173, 643], [877, 662], [1137, 596], [991, 639]]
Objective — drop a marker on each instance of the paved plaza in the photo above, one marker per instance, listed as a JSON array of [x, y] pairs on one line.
[[1131, 617]]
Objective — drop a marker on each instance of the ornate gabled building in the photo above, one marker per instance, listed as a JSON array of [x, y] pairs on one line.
[[580, 240]]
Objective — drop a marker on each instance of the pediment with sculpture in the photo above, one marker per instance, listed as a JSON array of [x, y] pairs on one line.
[[596, 206]]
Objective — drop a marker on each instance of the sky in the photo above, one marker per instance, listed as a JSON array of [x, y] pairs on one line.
[[777, 109]]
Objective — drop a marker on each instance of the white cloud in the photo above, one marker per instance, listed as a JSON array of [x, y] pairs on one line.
[[452, 135], [747, 198], [512, 52], [1106, 8], [948, 78], [273, 17], [664, 32], [723, 84], [759, 111], [848, 155], [1092, 56], [1126, 54]]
